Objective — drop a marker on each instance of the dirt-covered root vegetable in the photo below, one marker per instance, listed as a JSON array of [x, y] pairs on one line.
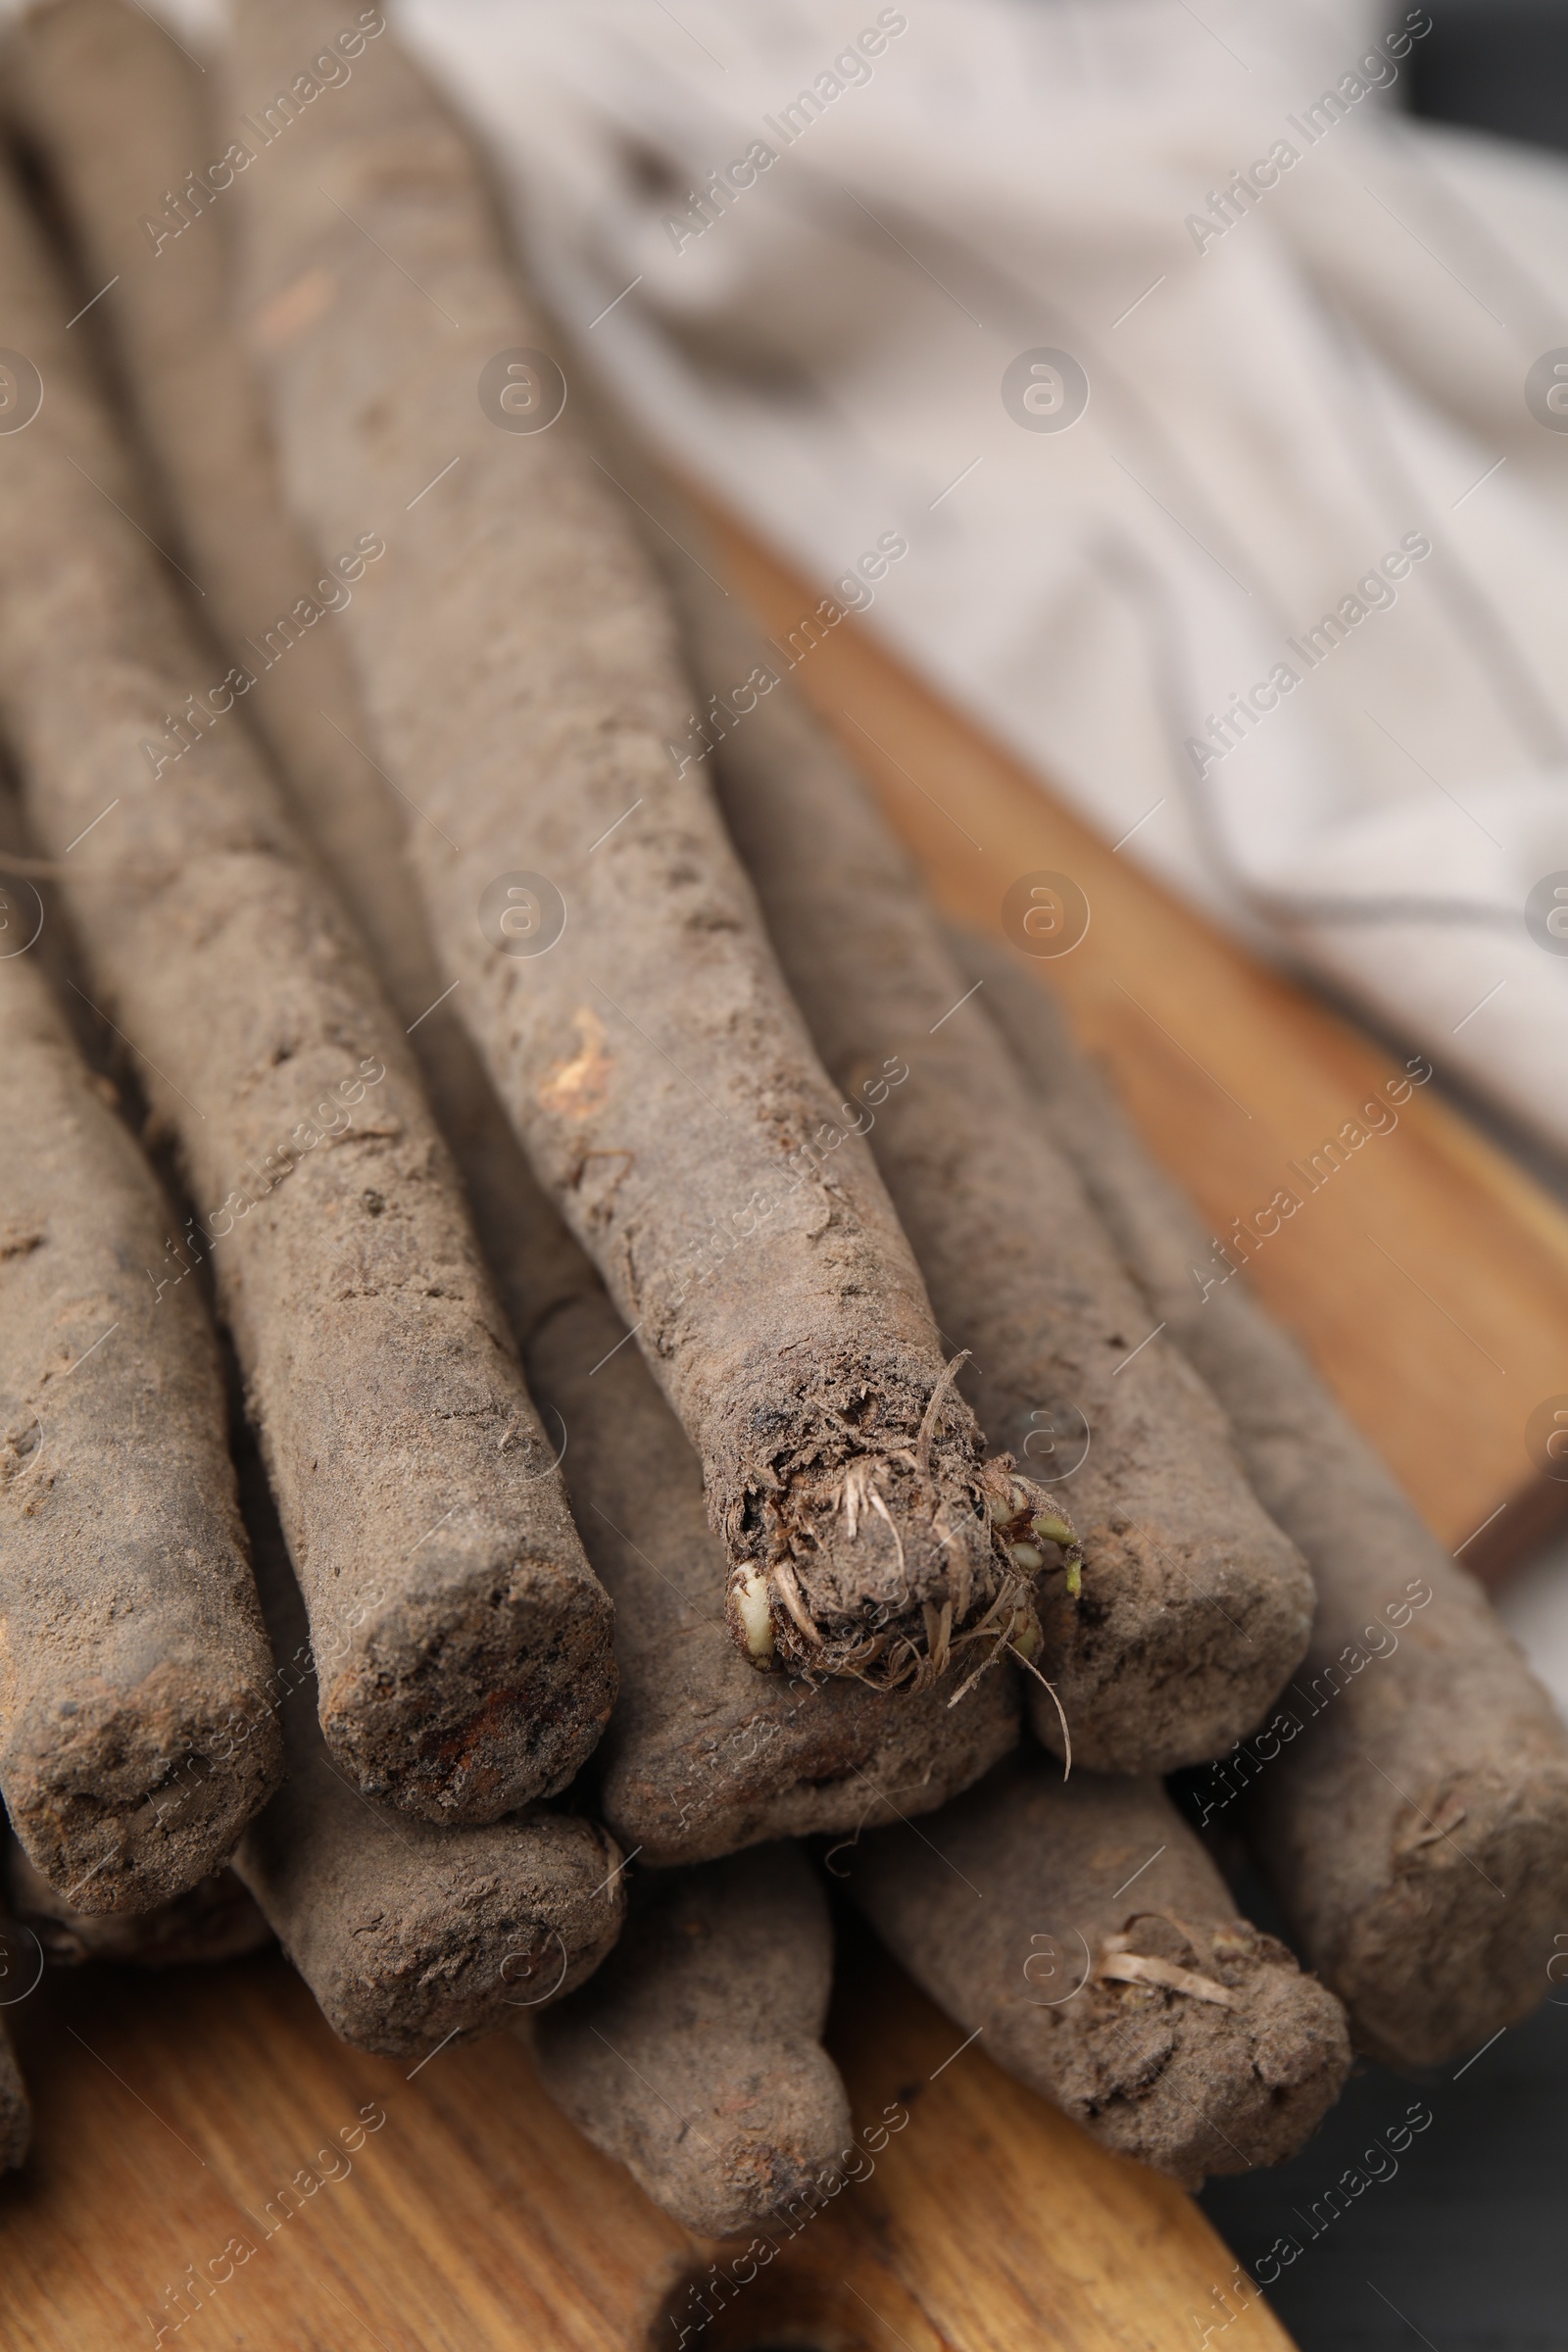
[[112, 113], [1194, 1608], [1081, 1925], [703, 1755], [212, 1921], [520, 668], [1408, 1800], [464, 1644], [410, 1931], [695, 2056], [135, 1742]]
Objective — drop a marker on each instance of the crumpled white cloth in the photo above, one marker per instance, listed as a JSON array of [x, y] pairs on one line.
[[1319, 399]]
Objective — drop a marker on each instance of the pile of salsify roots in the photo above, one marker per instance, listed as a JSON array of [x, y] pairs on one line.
[[724, 1393]]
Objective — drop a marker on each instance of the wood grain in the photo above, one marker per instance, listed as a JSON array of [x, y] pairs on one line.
[[1426, 1278], [174, 2111]]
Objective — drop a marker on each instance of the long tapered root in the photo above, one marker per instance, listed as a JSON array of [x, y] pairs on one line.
[[695, 2058], [1084, 1928]]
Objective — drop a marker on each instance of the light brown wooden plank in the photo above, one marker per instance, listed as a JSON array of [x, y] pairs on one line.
[[1428, 1279]]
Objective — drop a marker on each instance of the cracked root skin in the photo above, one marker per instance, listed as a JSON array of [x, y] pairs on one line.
[[1194, 1608], [695, 2056], [519, 666], [1108, 1968], [134, 1743], [1414, 1820], [446, 1582], [407, 1932]]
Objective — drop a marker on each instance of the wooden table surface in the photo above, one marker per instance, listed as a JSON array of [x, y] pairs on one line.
[[1428, 1279]]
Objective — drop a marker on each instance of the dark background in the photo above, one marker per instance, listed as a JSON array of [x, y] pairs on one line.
[[1500, 66], [1465, 2248]]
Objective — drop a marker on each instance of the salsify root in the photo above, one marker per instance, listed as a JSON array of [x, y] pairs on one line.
[[702, 1755], [464, 1644], [134, 1740], [1193, 1607], [107, 108], [410, 1933], [695, 2056], [1106, 1963], [1408, 1800], [520, 668]]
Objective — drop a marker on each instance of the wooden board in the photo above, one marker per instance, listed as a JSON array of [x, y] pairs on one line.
[[173, 2111], [1426, 1278]]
